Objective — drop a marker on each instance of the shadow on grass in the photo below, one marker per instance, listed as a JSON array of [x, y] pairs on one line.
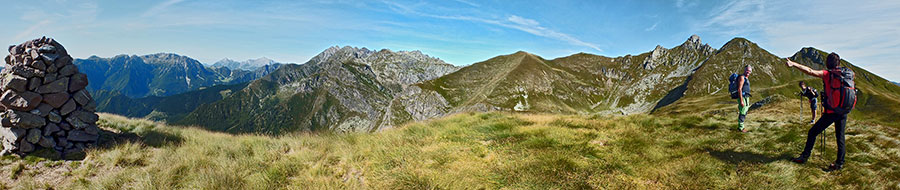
[[153, 138], [107, 140], [733, 157]]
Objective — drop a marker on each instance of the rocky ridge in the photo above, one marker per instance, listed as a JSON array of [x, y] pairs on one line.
[[45, 104], [340, 89]]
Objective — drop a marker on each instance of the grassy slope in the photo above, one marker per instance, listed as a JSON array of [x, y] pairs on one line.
[[478, 150]]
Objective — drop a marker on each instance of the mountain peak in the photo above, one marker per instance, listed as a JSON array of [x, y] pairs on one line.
[[694, 42], [694, 39]]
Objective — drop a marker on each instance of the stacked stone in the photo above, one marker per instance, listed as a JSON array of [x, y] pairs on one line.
[[44, 104]]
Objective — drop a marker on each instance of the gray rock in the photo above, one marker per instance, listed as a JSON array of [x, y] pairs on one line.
[[68, 107], [12, 134], [25, 120], [65, 126], [4, 121], [63, 61], [47, 142], [82, 97], [54, 117], [34, 53], [76, 123], [34, 83], [90, 106], [42, 110], [15, 82], [51, 69], [68, 70], [78, 82], [26, 147], [27, 72], [62, 142], [37, 64], [24, 101], [56, 99], [13, 50], [87, 117], [50, 129], [92, 129], [49, 57], [34, 135], [47, 49], [81, 136], [60, 133], [59, 85], [50, 76]]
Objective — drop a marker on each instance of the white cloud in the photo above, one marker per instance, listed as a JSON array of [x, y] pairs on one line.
[[27, 33], [522, 21], [468, 3], [651, 28], [159, 8], [516, 22], [863, 32]]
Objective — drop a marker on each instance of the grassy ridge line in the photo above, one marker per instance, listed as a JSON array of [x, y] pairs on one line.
[[476, 150]]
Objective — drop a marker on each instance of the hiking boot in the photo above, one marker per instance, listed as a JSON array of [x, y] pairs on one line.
[[799, 160], [833, 167]]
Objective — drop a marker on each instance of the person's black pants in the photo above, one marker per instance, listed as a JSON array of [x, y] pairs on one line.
[[840, 124]]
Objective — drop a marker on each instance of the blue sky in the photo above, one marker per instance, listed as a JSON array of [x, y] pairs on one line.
[[460, 32]]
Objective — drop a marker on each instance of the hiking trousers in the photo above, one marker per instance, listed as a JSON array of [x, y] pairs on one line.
[[742, 111], [840, 124]]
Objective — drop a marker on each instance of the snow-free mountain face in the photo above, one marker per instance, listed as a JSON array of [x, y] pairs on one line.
[[341, 89], [352, 89], [161, 74], [249, 65]]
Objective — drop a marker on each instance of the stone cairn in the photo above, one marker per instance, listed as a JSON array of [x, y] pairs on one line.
[[44, 102]]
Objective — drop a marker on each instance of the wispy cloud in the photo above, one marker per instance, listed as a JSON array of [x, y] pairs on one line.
[[653, 27], [863, 32], [31, 30], [468, 3], [516, 22], [737, 17], [159, 8]]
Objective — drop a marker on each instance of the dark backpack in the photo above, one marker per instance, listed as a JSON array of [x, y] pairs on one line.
[[840, 90], [733, 86]]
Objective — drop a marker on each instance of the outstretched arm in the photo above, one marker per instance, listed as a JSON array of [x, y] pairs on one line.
[[804, 68]]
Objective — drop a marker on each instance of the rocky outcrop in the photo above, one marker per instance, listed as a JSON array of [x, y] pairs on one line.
[[44, 102]]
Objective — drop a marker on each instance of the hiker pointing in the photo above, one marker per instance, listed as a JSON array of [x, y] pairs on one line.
[[838, 98]]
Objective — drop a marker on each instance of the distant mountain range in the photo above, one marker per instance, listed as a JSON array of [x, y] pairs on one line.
[[357, 89], [137, 86], [350, 89], [341, 89], [249, 65], [161, 74]]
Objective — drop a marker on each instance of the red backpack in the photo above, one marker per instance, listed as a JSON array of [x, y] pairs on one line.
[[840, 90]]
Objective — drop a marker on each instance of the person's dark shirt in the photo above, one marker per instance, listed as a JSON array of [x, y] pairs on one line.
[[810, 93]]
